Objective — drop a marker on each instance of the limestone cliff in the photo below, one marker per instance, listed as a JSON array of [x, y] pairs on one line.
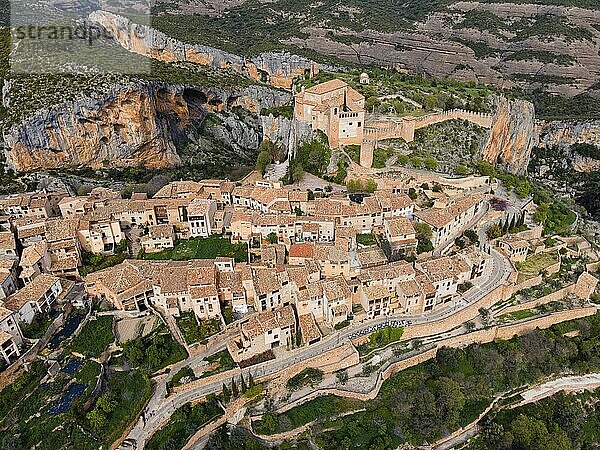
[[513, 135], [134, 124], [285, 132], [277, 68], [564, 133]]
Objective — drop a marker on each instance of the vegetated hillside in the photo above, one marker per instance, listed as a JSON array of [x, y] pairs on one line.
[[573, 171], [548, 48]]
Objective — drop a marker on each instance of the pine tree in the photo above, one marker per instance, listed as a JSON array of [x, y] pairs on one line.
[[226, 394], [243, 383], [250, 381], [234, 388], [521, 220], [512, 224]]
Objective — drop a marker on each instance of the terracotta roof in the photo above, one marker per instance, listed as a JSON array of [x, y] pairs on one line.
[[438, 269], [265, 281], [4, 313], [375, 292], [514, 242], [33, 254], [5, 337], [336, 288], [409, 288], [268, 320], [371, 256], [308, 328], [302, 250], [164, 230], [198, 292], [439, 217], [232, 281], [199, 207], [332, 253], [7, 240], [400, 226], [33, 291], [327, 86]]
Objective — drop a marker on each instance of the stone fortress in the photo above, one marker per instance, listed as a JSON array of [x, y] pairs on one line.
[[336, 109]]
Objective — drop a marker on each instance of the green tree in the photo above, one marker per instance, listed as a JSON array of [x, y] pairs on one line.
[[353, 185], [416, 161], [226, 394], [263, 160], [430, 163], [370, 186], [461, 170], [97, 419], [270, 423], [297, 172], [541, 213], [272, 238], [423, 230], [106, 403], [486, 169], [235, 392], [243, 383], [494, 232]]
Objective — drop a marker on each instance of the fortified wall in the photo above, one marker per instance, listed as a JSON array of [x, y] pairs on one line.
[[381, 128]]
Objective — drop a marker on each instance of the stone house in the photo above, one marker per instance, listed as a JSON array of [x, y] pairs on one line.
[[446, 222], [8, 246], [8, 279], [35, 298], [200, 215], [100, 234], [445, 273], [264, 331], [515, 248], [159, 237], [8, 348], [401, 235]]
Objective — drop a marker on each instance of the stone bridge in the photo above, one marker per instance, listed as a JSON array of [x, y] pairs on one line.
[[379, 128]]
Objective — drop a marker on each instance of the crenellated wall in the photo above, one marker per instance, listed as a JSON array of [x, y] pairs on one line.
[[404, 128]]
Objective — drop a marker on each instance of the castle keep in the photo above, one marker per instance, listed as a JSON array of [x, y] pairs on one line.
[[334, 108], [338, 110]]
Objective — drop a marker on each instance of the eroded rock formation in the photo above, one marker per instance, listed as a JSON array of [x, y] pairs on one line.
[[513, 135], [130, 125], [564, 133], [277, 68]]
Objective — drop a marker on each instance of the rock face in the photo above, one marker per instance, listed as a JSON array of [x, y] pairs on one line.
[[277, 68], [130, 125], [564, 133], [513, 135], [285, 132]]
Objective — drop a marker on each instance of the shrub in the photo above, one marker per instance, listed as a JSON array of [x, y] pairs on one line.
[[309, 376], [95, 337]]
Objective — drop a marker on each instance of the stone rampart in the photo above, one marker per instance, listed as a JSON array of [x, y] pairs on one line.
[[480, 336], [394, 127]]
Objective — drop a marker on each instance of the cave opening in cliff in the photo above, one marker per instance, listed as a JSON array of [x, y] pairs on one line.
[[195, 98]]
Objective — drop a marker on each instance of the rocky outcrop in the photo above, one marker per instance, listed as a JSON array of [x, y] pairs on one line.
[[136, 124], [513, 135], [285, 132], [565, 133], [277, 68]]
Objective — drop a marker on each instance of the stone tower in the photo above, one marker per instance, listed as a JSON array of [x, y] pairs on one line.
[[367, 147]]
